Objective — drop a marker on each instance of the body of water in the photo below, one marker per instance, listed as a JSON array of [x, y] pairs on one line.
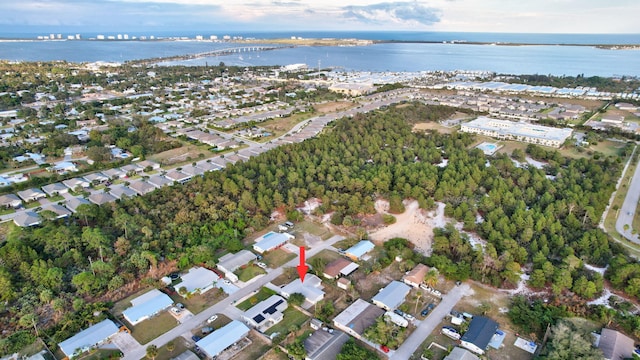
[[523, 59]]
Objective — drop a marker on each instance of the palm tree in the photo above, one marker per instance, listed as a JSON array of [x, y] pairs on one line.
[[431, 278]]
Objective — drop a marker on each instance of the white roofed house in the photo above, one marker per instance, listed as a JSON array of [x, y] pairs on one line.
[[146, 306], [218, 341], [232, 262], [96, 178], [144, 164], [76, 183], [311, 288], [114, 174], [86, 339], [271, 241], [55, 189], [26, 219], [391, 296], [73, 203], [31, 194], [357, 251], [266, 313], [197, 281], [355, 319], [177, 176]]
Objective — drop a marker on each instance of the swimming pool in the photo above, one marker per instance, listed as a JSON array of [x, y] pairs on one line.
[[488, 148]]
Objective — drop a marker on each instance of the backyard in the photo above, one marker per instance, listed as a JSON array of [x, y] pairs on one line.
[[292, 318]]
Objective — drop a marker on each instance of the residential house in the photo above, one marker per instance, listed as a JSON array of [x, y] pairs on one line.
[[322, 345], [76, 183], [114, 174], [73, 203], [177, 176], [64, 167], [232, 262], [146, 306], [32, 194], [357, 251], [142, 187], [89, 338], [198, 280], [218, 341], [459, 353], [55, 189], [311, 288], [355, 319], [26, 219], [120, 191], [144, 164], [340, 266], [59, 210], [266, 313], [271, 241], [477, 338], [96, 178], [615, 345], [415, 277], [101, 198], [391, 296], [10, 201]]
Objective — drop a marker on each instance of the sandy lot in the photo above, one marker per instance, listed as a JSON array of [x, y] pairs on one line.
[[415, 225]]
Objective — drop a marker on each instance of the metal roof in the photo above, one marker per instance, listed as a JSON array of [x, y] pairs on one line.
[[89, 337], [270, 241], [216, 342], [392, 295], [198, 278], [360, 248], [147, 305]]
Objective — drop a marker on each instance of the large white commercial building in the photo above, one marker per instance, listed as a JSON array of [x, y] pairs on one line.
[[519, 131]]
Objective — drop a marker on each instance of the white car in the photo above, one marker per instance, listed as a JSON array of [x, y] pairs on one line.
[[408, 316], [212, 319], [175, 310], [262, 265]]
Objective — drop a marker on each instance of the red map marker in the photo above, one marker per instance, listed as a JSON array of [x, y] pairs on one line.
[[302, 268]]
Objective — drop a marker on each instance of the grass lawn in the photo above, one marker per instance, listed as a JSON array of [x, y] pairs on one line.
[[101, 354], [279, 126], [261, 295], [180, 346], [32, 205], [152, 328], [186, 154], [346, 243], [249, 272], [326, 255], [197, 303], [258, 347], [5, 211], [313, 228], [277, 258], [56, 198], [291, 317]]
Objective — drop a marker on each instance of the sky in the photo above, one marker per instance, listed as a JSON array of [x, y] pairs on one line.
[[521, 16]]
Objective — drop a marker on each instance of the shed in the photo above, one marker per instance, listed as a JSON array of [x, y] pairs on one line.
[[146, 306], [88, 338]]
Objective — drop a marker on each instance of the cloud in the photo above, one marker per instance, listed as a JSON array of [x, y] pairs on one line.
[[397, 12]]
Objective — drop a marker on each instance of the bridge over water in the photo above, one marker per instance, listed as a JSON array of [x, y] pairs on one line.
[[213, 53]]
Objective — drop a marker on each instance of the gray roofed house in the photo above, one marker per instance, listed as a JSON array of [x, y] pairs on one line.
[[159, 181], [231, 262], [88, 338], [96, 178], [357, 317], [132, 168], [101, 198], [114, 173], [391, 296], [208, 166], [73, 203], [120, 191], [27, 218], [55, 189], [177, 176], [76, 182], [186, 355], [142, 187], [192, 170], [59, 210], [615, 345], [32, 194], [10, 200], [266, 313], [311, 288], [479, 334], [459, 353], [322, 345], [148, 163]]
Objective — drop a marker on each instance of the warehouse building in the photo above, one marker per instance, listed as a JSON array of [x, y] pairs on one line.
[[519, 131]]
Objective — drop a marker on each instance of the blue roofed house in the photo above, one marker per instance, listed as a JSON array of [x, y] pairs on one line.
[[220, 340], [357, 251], [270, 241], [93, 336], [477, 338], [146, 306], [391, 296]]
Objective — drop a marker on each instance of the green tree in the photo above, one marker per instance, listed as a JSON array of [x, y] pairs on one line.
[[296, 350], [152, 352], [352, 351], [569, 342], [296, 299]]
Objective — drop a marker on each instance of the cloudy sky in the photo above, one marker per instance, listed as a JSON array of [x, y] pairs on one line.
[[537, 16]]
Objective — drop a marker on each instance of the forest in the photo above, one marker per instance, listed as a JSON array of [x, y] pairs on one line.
[[545, 219]]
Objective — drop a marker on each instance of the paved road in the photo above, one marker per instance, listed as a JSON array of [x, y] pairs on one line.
[[223, 307], [429, 324], [628, 209]]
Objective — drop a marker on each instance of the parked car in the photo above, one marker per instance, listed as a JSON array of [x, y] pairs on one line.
[[206, 330], [384, 348], [196, 338], [212, 319], [262, 265], [408, 316], [425, 287], [180, 306], [174, 276], [428, 309], [399, 312], [175, 310]]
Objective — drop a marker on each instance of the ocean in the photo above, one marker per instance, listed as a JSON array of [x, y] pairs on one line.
[[432, 55]]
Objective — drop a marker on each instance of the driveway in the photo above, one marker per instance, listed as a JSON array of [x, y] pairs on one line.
[[429, 324], [125, 342]]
